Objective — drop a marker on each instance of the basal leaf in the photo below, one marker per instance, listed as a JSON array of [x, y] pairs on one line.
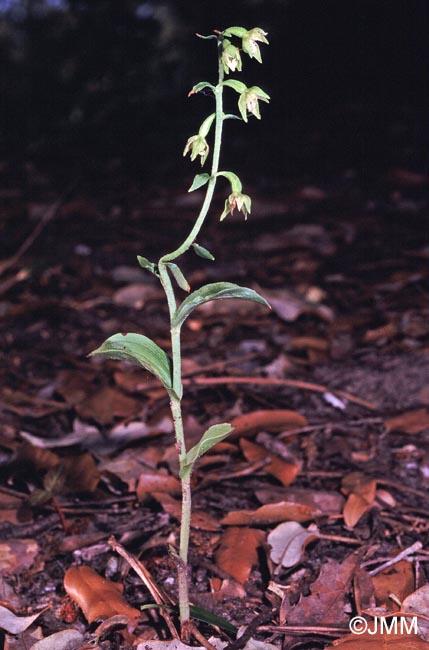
[[138, 349], [214, 291], [199, 181], [211, 437]]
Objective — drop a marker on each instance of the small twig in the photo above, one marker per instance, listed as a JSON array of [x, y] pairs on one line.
[[394, 560], [339, 538], [305, 629], [403, 488], [269, 381], [324, 425], [159, 596], [48, 216], [200, 637], [60, 513], [253, 626]]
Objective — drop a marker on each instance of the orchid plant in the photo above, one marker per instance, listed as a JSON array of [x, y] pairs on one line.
[[141, 350]]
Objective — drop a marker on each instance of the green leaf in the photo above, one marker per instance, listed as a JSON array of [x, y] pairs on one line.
[[199, 181], [206, 38], [138, 349], [235, 31], [198, 613], [205, 126], [179, 277], [203, 252], [201, 86], [238, 86], [213, 619], [146, 264], [214, 291], [236, 185], [209, 439]]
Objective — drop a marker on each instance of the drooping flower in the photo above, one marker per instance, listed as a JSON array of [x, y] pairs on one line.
[[248, 101], [198, 146], [250, 45], [231, 58], [237, 200]]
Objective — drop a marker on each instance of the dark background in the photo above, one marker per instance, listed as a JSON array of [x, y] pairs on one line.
[[85, 82]]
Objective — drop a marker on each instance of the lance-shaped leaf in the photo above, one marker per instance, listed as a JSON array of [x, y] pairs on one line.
[[147, 264], [235, 31], [202, 252], [199, 181], [138, 349], [205, 126], [179, 277], [200, 86], [238, 86], [214, 291], [211, 437]]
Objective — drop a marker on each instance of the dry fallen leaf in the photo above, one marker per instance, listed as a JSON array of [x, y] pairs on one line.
[[289, 306], [17, 554], [107, 404], [200, 520], [237, 552], [275, 420], [409, 422], [327, 502], [63, 640], [157, 482], [96, 596], [14, 624], [418, 603], [361, 491], [325, 605], [288, 542], [379, 642], [398, 580], [271, 513], [282, 470]]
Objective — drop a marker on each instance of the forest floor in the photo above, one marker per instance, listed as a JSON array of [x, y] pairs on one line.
[[314, 511]]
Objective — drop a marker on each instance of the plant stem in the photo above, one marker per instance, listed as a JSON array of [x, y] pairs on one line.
[[177, 386], [215, 168]]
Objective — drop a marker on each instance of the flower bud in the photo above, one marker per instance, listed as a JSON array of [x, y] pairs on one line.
[[198, 146], [231, 59], [237, 200]]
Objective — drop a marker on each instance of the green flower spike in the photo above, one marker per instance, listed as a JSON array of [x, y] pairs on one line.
[[250, 45], [248, 101], [237, 200], [198, 146], [231, 59]]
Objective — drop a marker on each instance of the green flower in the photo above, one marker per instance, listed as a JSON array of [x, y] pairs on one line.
[[250, 45], [248, 101], [231, 59], [237, 200], [198, 146]]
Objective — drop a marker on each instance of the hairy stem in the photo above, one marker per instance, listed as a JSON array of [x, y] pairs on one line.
[[177, 386]]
